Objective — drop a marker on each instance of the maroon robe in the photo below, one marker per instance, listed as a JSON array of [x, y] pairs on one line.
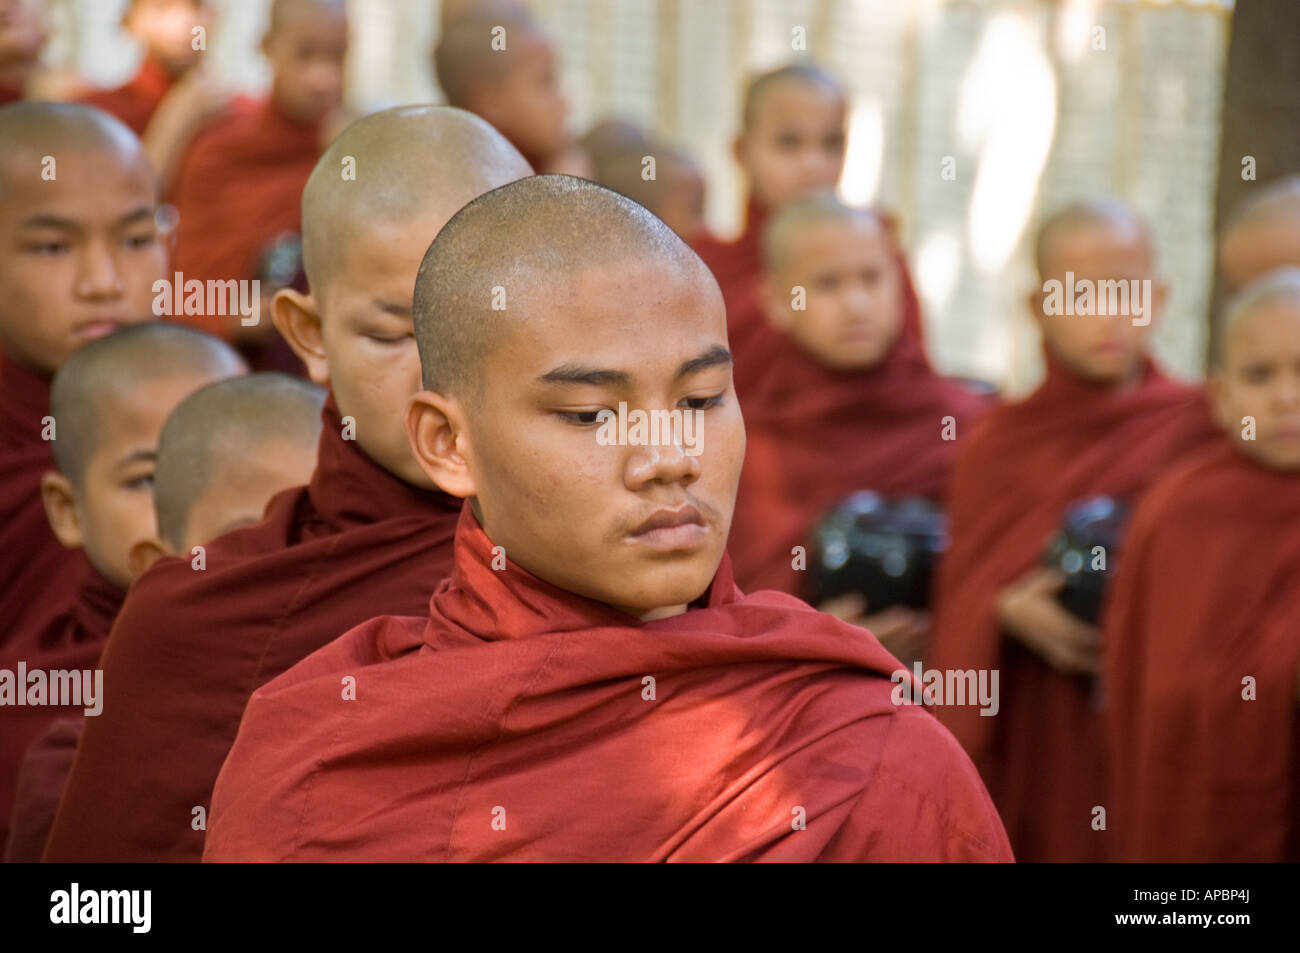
[[190, 645], [1208, 594], [72, 641], [40, 576], [514, 722], [1043, 755], [135, 102]]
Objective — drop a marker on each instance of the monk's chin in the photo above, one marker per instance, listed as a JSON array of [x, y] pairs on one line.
[[660, 590]]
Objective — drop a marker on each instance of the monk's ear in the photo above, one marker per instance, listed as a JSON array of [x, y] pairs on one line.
[[1159, 295], [1034, 302], [775, 303], [1216, 394], [435, 429], [60, 499], [142, 555], [738, 149], [297, 318]]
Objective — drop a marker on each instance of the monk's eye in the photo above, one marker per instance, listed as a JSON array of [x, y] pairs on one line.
[[826, 282], [833, 143], [390, 339], [142, 482], [787, 141], [580, 418], [141, 240], [1256, 373], [49, 248], [703, 403]]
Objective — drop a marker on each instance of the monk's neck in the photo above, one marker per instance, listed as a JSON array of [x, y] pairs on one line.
[[650, 615]]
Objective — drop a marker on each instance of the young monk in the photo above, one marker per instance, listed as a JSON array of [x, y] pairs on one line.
[[1104, 422], [675, 193], [791, 144], [1202, 651], [223, 453], [79, 253], [239, 184], [368, 533], [606, 692], [1262, 234], [108, 401], [165, 30], [516, 87], [847, 402]]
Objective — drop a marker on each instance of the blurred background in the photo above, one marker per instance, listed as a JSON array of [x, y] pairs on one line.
[[969, 121]]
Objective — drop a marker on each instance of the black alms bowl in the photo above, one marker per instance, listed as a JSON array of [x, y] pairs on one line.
[[1085, 550], [884, 549]]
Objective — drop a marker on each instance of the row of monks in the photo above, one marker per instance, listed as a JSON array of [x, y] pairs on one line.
[[362, 583]]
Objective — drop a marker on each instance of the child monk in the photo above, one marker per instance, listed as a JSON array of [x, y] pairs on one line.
[[166, 32], [368, 533], [847, 401], [791, 144], [239, 185], [80, 254], [503, 67], [108, 401], [1104, 422], [1202, 650], [222, 454], [606, 692]]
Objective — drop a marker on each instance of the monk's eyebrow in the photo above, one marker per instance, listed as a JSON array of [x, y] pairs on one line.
[[591, 376], [713, 357], [600, 377], [393, 308], [137, 456], [50, 221], [142, 214]]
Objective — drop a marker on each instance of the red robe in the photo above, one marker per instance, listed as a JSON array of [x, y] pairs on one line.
[[38, 575], [524, 704], [815, 435], [238, 188], [134, 103], [1042, 756], [738, 267], [189, 646], [72, 641], [1208, 593]]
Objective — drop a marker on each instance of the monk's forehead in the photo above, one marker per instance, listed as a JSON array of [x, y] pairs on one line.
[[634, 307], [1126, 238], [785, 95]]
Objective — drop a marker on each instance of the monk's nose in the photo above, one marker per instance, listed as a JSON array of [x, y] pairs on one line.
[[662, 463], [99, 276]]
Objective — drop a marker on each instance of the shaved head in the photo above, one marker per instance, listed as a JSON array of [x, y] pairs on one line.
[[623, 172], [465, 55], [782, 233], [612, 140], [88, 382], [1090, 214], [1262, 234], [1280, 287], [222, 428], [410, 162], [32, 130], [534, 232], [808, 74], [282, 11]]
